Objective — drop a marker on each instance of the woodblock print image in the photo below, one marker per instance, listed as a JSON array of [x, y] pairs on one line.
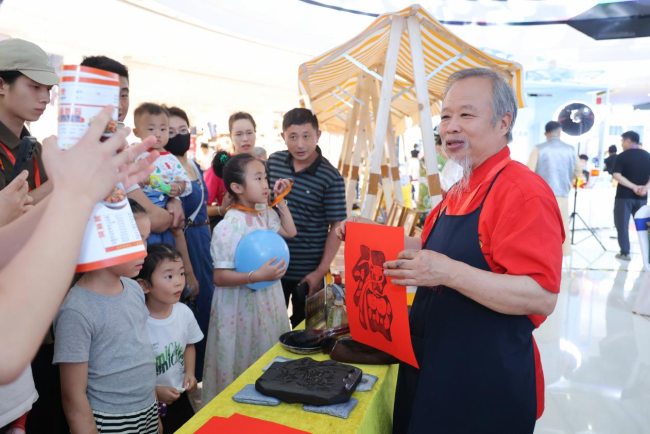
[[375, 310]]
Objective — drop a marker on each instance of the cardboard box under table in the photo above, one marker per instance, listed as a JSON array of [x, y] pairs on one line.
[[372, 415]]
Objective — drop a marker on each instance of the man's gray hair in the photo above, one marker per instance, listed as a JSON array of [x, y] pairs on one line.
[[503, 97]]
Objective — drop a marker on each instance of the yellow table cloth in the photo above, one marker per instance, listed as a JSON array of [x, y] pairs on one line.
[[372, 415]]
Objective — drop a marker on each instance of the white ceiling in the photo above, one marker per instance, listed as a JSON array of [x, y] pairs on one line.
[[217, 56]]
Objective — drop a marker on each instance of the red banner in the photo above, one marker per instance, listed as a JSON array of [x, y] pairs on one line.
[[377, 310]]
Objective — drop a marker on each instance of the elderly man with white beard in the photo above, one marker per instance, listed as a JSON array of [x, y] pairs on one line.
[[487, 268]]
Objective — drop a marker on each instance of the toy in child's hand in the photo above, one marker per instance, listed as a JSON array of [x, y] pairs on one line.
[[156, 182], [281, 185], [189, 383]]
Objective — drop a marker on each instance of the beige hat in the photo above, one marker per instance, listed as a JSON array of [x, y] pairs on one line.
[[29, 59]]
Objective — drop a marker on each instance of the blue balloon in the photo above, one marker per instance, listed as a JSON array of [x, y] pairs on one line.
[[257, 248]]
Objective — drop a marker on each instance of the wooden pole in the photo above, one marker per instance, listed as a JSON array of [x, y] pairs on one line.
[[426, 125], [305, 90], [365, 158], [382, 117], [386, 174], [394, 165], [350, 132], [385, 182], [359, 146], [304, 95], [391, 151]]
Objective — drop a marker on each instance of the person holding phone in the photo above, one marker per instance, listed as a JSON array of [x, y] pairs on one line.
[[317, 203], [26, 78], [14, 200]]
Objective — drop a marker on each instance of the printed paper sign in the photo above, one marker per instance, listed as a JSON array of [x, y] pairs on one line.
[[111, 236], [377, 310]]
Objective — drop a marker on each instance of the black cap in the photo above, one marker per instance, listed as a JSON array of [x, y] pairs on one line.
[[553, 126]]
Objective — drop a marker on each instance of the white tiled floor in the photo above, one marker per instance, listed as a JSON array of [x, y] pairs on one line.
[[595, 351]]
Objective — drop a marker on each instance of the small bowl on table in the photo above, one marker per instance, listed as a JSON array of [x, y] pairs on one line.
[[288, 342]]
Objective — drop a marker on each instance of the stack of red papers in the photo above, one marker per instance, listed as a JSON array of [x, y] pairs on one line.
[[243, 424]]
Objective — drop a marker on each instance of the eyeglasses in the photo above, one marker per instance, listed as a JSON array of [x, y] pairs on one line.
[[239, 135]]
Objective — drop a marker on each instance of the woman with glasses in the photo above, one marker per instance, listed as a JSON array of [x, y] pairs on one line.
[[243, 134]]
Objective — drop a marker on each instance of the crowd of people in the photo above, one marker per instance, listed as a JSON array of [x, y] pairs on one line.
[[126, 344], [559, 165], [121, 349]]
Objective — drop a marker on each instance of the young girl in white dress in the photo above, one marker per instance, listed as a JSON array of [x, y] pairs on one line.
[[244, 323]]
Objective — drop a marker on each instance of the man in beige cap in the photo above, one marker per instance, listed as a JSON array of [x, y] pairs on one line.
[[26, 78]]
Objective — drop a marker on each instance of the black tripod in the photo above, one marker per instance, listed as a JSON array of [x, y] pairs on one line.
[[575, 214]]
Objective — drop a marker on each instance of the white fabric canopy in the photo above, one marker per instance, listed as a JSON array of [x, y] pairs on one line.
[[213, 57]]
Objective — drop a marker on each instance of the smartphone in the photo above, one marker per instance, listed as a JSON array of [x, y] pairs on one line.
[[25, 156], [302, 290]]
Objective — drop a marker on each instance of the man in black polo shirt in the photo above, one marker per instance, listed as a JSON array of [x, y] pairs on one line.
[[632, 171], [26, 78], [317, 204]]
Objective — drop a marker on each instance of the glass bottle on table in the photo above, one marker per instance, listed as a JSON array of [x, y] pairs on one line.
[[337, 315]]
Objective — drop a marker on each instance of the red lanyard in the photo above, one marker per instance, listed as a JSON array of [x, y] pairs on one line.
[[271, 205], [37, 174]]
